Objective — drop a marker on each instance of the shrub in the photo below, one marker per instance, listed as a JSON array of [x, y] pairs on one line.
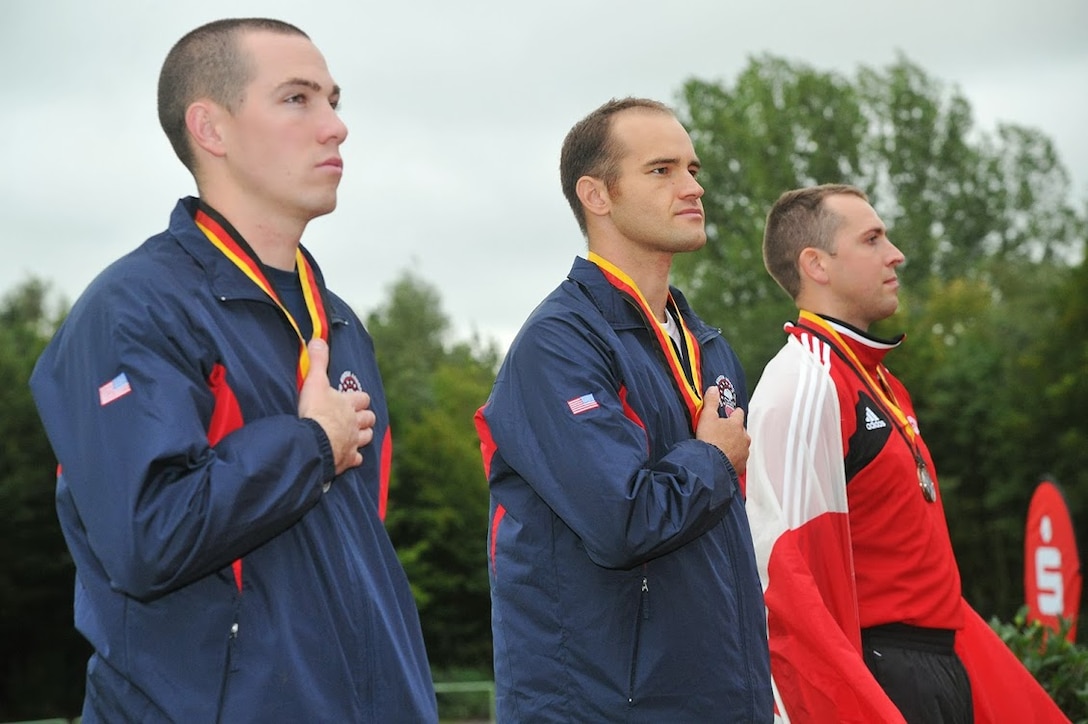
[[1060, 665]]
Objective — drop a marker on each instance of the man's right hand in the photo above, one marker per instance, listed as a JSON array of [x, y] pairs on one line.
[[725, 433], [345, 417]]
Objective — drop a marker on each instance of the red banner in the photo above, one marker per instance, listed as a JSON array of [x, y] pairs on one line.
[[1052, 579]]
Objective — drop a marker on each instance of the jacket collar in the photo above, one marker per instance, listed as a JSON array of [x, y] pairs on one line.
[[226, 280], [868, 348], [618, 309]]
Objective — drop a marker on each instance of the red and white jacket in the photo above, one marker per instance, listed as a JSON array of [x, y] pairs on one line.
[[845, 539]]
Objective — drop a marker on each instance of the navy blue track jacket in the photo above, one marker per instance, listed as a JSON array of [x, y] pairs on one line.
[[321, 625], [624, 584]]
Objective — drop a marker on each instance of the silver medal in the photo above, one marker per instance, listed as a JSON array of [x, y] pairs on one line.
[[928, 491]]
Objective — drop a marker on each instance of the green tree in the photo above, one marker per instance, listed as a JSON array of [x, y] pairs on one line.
[[972, 386], [951, 195], [1056, 369], [43, 659], [780, 126], [438, 494], [989, 231]]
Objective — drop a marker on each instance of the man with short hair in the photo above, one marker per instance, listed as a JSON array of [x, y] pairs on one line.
[[866, 618], [221, 429], [623, 580]]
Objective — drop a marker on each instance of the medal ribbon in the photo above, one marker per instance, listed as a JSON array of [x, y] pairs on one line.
[[241, 255], [881, 390], [689, 391]]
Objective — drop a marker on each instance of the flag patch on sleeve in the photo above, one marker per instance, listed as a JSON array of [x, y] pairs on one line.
[[585, 403], [115, 388]]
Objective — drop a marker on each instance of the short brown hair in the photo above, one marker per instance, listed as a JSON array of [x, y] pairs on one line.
[[590, 150], [799, 219], [208, 62]]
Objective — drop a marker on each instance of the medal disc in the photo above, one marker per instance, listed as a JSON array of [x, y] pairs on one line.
[[926, 483]]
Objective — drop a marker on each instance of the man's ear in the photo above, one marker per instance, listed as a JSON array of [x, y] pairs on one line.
[[811, 265], [594, 196], [203, 118]]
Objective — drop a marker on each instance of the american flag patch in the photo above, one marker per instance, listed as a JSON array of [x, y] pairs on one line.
[[585, 403], [117, 387]]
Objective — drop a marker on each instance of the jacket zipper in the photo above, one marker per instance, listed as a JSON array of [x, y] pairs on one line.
[[644, 615], [645, 604], [232, 636]]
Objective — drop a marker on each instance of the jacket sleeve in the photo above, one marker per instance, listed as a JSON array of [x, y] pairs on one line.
[[797, 509], [593, 469], [158, 506]]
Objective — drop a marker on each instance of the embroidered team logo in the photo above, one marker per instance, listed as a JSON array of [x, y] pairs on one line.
[[350, 383], [727, 395]]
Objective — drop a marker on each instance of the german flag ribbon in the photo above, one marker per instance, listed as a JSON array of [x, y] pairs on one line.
[[689, 390], [228, 241]]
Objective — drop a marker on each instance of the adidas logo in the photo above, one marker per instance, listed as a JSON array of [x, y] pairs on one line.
[[872, 422]]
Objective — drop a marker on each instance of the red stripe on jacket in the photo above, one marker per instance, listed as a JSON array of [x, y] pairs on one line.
[[383, 473], [226, 418]]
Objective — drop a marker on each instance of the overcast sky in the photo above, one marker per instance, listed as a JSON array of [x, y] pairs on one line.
[[456, 112]]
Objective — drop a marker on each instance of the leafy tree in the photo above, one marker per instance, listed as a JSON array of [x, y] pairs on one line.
[[409, 332], [438, 494], [904, 137], [43, 658], [780, 126], [1055, 368], [971, 388]]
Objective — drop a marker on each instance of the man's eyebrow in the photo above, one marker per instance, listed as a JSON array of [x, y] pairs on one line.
[[671, 162], [311, 84]]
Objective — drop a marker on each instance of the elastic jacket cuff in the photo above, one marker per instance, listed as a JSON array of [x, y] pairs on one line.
[[328, 462]]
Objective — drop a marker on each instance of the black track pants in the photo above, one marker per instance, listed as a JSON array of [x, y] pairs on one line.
[[920, 672]]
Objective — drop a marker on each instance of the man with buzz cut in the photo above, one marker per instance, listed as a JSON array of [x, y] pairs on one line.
[[221, 430], [623, 581]]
